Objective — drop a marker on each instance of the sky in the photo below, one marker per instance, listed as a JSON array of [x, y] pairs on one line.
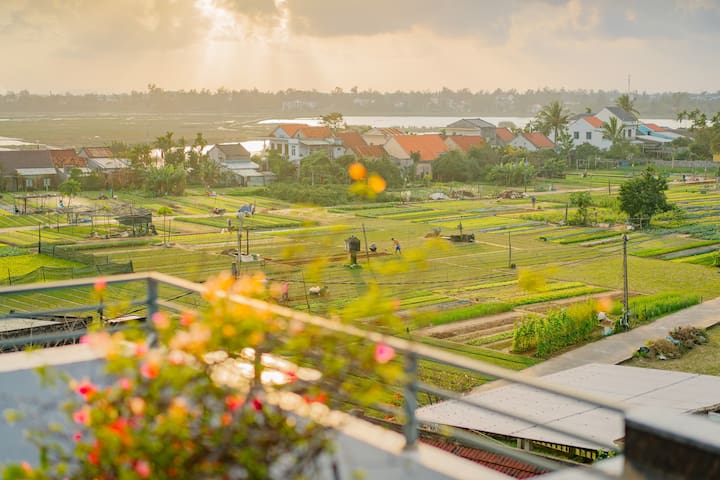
[[115, 46]]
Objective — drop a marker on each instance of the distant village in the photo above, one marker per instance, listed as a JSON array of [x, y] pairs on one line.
[[39, 170]]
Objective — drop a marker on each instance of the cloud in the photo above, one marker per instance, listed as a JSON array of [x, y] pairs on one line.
[[89, 28]]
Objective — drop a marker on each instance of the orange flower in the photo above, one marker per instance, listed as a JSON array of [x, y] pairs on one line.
[[150, 370], [376, 183], [186, 318], [100, 284], [137, 406], [233, 402], [357, 171]]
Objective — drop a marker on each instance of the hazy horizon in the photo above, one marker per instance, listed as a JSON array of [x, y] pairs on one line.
[[117, 46]]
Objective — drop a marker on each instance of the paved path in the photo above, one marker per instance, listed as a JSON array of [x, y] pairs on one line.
[[620, 347]]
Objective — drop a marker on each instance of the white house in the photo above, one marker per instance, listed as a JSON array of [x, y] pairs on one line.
[[296, 141], [628, 121], [588, 129], [532, 142]]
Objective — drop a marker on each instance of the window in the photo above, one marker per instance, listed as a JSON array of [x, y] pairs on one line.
[[576, 135], [629, 133], [46, 182], [588, 135], [28, 182], [293, 151]]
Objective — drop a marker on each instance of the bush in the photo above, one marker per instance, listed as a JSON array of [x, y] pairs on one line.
[[647, 308], [558, 330]]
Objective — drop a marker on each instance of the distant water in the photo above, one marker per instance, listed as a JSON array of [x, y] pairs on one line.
[[439, 122]]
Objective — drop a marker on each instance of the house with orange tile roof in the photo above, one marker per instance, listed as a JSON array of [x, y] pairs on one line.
[[405, 149], [503, 136], [464, 142], [66, 160], [296, 141], [532, 142], [380, 136], [588, 129]]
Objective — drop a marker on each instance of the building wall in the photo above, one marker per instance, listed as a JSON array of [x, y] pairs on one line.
[[579, 132]]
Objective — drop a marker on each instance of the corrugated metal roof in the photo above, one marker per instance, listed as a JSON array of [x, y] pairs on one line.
[[630, 386], [29, 172]]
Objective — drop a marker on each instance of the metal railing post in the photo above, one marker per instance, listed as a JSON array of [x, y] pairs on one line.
[[152, 309], [410, 427]]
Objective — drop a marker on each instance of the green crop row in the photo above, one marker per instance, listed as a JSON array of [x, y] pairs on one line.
[[479, 342], [555, 295], [458, 314], [654, 252], [558, 330], [646, 308]]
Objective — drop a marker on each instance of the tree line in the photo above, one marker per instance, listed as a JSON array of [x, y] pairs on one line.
[[354, 101]]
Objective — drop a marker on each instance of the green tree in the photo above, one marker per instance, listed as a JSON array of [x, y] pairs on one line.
[[628, 104], [334, 121], [643, 197], [552, 118], [612, 130], [281, 166], [582, 201], [70, 188], [455, 166]]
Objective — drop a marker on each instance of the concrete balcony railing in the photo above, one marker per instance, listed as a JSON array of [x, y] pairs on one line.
[[55, 314]]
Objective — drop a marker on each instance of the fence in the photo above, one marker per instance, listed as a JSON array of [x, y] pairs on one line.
[[47, 274], [155, 297]]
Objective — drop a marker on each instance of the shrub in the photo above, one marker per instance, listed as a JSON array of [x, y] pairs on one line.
[[647, 308], [190, 409]]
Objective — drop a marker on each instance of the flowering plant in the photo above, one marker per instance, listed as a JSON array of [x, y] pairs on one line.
[[208, 400]]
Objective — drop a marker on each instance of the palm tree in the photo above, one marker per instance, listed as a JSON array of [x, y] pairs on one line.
[[553, 117], [628, 104], [612, 130], [165, 211]]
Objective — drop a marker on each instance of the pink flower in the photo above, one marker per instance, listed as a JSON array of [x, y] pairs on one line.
[[82, 416], [149, 370], [176, 357], [85, 389], [142, 468], [161, 320], [257, 404], [26, 467], [77, 436], [125, 384], [100, 285], [384, 353], [141, 348]]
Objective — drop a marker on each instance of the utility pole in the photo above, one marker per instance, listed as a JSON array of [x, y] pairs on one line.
[[510, 264], [39, 238], [625, 321]]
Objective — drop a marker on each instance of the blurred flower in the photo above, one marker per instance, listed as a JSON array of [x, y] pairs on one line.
[[125, 384], [137, 406], [186, 318], [376, 183], [77, 436], [257, 404], [82, 416], [150, 369], [357, 171], [142, 468], [384, 353], [100, 284], [85, 388], [233, 402], [161, 320]]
